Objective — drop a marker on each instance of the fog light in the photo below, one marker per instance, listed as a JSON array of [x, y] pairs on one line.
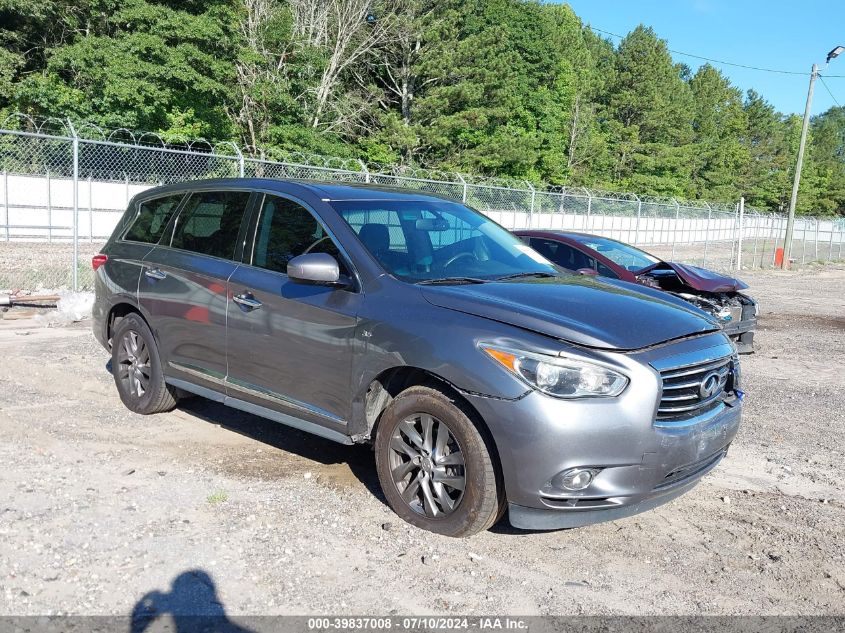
[[575, 478]]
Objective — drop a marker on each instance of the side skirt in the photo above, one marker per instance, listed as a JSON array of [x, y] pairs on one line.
[[248, 407]]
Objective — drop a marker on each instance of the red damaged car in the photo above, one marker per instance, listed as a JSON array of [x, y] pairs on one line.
[[594, 255]]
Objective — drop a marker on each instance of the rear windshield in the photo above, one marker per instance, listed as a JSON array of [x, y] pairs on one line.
[[152, 218], [426, 240]]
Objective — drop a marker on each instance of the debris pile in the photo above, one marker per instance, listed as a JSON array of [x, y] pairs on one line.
[[47, 308]]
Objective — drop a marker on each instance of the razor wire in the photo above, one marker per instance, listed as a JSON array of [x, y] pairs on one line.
[[65, 185]]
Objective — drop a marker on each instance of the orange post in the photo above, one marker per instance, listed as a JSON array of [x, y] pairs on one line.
[[779, 257]]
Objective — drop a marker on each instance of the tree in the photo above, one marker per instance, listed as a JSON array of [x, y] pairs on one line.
[[653, 104], [145, 66], [718, 125], [766, 181], [827, 155], [348, 30], [481, 115], [517, 89]]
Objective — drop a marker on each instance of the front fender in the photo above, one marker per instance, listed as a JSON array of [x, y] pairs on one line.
[[441, 342]]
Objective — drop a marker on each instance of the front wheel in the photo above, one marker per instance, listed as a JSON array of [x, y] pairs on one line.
[[434, 466], [136, 367]]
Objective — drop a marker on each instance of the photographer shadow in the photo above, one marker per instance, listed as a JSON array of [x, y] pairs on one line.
[[192, 604]]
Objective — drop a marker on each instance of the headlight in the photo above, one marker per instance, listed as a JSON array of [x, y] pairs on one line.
[[559, 377]]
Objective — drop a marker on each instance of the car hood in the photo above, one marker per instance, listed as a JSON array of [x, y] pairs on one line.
[[579, 309], [702, 279]]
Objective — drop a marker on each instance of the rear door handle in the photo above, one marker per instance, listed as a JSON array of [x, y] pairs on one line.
[[247, 301], [155, 273]]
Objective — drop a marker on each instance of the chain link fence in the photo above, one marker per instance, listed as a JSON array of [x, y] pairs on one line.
[[64, 187]]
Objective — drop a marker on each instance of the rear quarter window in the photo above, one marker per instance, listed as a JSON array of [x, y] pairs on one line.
[[210, 222], [152, 218]]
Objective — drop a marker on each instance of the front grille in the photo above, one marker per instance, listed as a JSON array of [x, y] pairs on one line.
[[691, 389]]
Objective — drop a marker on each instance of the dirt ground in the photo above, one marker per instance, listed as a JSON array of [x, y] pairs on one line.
[[99, 507]]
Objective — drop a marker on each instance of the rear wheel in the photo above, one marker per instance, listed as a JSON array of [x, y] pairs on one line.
[[434, 466], [136, 368]]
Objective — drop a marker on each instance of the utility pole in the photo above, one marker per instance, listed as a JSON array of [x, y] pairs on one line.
[[790, 220]]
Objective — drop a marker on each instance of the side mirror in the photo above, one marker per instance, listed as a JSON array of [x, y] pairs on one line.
[[314, 268], [587, 271]]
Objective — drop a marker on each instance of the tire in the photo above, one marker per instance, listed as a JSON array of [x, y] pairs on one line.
[[431, 470], [136, 367]]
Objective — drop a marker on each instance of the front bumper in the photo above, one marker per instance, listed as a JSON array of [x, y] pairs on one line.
[[643, 462], [539, 519]]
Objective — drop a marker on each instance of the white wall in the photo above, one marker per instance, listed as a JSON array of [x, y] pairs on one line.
[[30, 205]]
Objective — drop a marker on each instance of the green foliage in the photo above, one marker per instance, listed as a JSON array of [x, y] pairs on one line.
[[511, 88], [144, 66]]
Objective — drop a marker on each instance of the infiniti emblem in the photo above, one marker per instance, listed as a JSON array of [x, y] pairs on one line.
[[709, 385]]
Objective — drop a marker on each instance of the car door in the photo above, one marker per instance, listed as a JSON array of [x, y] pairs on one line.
[[291, 344], [145, 225], [183, 285]]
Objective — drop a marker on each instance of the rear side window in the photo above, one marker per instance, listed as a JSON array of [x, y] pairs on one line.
[[210, 222], [153, 216], [287, 229]]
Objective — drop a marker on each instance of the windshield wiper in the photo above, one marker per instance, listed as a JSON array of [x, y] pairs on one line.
[[451, 280], [526, 274]]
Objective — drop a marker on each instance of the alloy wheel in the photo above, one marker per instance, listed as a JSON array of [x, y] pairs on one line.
[[134, 364], [427, 466]]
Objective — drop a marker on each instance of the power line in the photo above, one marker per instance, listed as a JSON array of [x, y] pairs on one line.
[[828, 91], [715, 61]]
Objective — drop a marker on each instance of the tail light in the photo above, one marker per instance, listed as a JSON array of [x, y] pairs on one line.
[[98, 260]]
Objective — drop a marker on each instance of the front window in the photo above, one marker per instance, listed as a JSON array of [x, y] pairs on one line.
[[624, 255], [430, 240], [286, 230]]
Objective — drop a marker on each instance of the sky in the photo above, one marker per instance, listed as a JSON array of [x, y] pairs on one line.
[[777, 34]]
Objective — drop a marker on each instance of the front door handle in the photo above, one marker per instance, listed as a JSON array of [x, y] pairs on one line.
[[155, 273], [247, 301]]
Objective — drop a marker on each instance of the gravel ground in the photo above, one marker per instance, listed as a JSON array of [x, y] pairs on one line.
[[99, 507]]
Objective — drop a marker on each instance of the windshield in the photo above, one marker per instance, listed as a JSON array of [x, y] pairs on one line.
[[624, 255], [429, 240]]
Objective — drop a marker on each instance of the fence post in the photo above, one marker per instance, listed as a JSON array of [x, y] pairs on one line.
[[675, 227], [464, 183], [6, 200], [707, 231], [533, 198], [637, 225], [816, 250], [776, 229], [830, 245], [240, 159], [756, 231], [75, 220], [49, 209], [90, 212], [741, 229], [366, 171], [804, 242], [588, 225]]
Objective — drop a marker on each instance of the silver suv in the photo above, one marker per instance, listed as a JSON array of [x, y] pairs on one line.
[[487, 379]]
